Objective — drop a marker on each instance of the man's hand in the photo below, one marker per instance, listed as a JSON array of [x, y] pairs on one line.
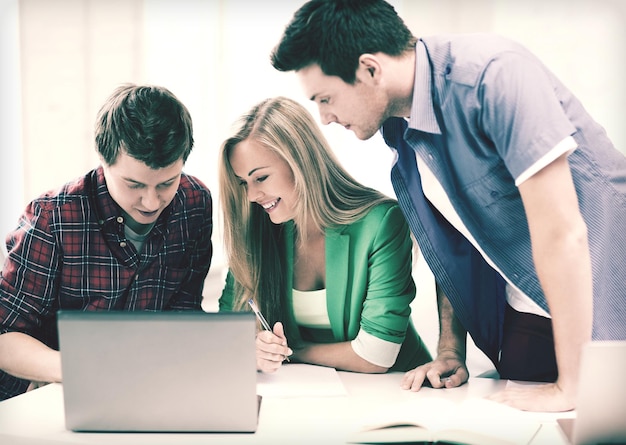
[[547, 398], [446, 371]]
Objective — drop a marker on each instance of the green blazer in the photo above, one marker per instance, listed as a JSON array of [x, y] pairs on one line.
[[369, 284]]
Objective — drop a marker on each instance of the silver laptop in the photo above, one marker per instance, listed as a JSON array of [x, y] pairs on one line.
[[159, 371], [601, 401]]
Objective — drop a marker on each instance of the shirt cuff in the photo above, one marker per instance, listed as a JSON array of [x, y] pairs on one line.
[[567, 145], [374, 350]]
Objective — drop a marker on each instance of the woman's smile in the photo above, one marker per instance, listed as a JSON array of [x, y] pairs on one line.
[[271, 205]]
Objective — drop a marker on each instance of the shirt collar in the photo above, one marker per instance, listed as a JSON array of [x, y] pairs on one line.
[[106, 207], [109, 213], [422, 110]]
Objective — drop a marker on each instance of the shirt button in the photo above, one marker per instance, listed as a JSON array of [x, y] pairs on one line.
[[123, 244], [100, 221], [120, 219]]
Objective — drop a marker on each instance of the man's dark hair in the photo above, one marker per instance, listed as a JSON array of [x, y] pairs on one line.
[[334, 34], [146, 122]]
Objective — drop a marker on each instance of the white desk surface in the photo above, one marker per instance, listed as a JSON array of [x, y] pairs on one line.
[[37, 417]]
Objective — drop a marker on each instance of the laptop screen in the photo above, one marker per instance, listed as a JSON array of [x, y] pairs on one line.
[[601, 404], [159, 371]]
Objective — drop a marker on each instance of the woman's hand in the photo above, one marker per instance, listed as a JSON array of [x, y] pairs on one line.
[[271, 349]]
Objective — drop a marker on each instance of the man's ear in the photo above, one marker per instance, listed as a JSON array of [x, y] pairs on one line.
[[369, 67]]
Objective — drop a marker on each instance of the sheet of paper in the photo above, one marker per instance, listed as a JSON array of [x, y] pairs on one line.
[[300, 380]]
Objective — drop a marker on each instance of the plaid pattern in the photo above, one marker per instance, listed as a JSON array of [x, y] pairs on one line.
[[69, 251]]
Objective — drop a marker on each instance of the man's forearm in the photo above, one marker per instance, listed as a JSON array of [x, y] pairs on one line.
[[27, 358], [565, 274], [452, 335]]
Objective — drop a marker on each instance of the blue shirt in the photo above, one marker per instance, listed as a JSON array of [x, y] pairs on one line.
[[484, 111]]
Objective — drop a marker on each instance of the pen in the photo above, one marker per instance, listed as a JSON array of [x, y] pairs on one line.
[[261, 318], [259, 315]]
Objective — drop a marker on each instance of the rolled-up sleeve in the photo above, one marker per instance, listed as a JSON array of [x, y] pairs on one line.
[[390, 288], [374, 350]]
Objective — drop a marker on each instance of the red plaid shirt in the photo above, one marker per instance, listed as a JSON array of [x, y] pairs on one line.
[[70, 252]]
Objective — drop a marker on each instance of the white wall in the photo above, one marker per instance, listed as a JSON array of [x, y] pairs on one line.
[[11, 184], [214, 56]]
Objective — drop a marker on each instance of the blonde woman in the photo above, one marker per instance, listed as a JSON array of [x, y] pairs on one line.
[[326, 259]]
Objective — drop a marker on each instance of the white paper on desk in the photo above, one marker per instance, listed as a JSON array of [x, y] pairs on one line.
[[300, 380]]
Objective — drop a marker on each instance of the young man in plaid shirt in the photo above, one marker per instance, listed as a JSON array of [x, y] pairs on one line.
[[132, 234]]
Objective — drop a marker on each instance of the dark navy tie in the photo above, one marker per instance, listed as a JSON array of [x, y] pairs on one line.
[[475, 289]]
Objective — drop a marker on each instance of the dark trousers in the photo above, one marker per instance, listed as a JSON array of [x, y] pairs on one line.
[[527, 351]]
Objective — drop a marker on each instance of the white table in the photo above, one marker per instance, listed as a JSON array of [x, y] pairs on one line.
[[37, 417]]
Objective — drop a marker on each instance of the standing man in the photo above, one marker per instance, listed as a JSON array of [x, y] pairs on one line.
[[133, 234], [515, 194]]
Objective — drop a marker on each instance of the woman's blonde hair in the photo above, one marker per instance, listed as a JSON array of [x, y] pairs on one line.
[[327, 196]]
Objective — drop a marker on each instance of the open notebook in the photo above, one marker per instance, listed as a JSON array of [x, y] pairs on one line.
[[601, 404], [159, 371], [433, 419]]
